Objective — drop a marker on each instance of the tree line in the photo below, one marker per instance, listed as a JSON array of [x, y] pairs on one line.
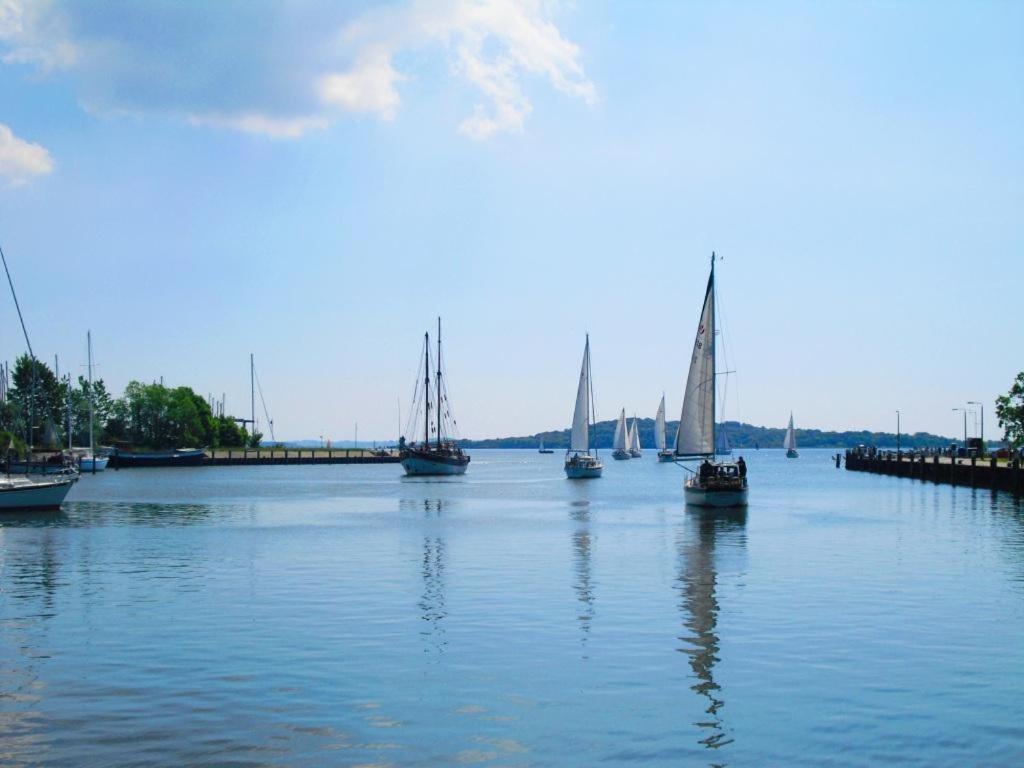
[[147, 416]]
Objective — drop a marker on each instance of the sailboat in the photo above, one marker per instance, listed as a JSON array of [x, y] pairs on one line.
[[634, 440], [442, 455], [542, 449], [722, 448], [580, 463], [718, 484], [90, 462], [790, 442], [659, 433], [620, 443]]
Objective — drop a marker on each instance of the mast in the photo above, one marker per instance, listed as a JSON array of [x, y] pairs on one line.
[[439, 405], [426, 390], [252, 391], [92, 450], [714, 363], [590, 397]]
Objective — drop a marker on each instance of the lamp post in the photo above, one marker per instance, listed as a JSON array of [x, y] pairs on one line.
[[982, 407], [897, 432]]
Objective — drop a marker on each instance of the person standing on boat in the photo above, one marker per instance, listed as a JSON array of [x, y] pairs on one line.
[[742, 466], [706, 470]]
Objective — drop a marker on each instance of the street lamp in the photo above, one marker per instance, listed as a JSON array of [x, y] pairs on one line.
[[897, 432], [982, 406]]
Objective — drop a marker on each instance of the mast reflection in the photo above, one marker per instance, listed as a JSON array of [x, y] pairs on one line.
[[583, 585], [697, 582], [432, 603]]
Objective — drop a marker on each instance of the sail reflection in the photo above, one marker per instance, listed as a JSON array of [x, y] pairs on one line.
[[697, 584], [583, 585]]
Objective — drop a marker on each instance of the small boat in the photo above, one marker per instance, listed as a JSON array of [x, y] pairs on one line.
[[90, 462], [790, 442], [718, 484], [22, 493], [621, 441], [580, 463], [634, 440], [177, 457], [440, 455], [542, 449], [659, 434]]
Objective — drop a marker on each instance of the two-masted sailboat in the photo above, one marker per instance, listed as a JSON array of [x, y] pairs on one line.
[[714, 484], [664, 454], [621, 440], [438, 454], [580, 463], [790, 442], [634, 440]]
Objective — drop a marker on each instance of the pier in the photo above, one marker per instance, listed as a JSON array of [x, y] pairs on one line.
[[970, 472], [240, 457]]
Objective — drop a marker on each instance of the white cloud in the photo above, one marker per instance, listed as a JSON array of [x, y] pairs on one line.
[[21, 160], [493, 42], [283, 70], [253, 122]]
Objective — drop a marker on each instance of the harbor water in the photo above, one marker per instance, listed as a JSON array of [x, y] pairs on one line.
[[343, 615]]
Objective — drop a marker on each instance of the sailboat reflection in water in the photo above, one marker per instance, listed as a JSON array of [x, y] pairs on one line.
[[708, 535]]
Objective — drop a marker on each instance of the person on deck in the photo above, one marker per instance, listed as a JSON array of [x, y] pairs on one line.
[[706, 470], [741, 465]]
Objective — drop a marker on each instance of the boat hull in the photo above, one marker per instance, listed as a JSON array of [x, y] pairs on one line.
[[621, 455], [575, 470], [792, 454], [635, 454], [97, 464], [666, 456], [713, 497], [185, 458], [546, 450], [425, 464], [44, 495]]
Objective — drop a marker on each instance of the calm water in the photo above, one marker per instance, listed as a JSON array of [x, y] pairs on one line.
[[311, 616]]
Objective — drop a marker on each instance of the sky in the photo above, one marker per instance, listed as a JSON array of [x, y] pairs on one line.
[[315, 182]]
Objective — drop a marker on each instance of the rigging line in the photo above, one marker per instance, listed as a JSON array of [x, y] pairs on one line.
[[259, 388], [17, 306]]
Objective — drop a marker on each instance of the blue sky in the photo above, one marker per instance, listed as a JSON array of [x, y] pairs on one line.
[[315, 182]]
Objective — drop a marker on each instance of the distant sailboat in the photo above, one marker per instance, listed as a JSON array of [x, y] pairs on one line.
[[91, 462], [441, 455], [659, 433], [634, 440], [790, 442], [620, 443], [723, 448], [719, 484], [580, 464], [542, 449]]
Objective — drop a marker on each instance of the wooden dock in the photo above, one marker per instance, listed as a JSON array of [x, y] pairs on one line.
[[241, 457], [973, 472]]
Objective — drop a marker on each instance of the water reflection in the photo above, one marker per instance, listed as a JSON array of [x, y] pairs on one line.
[[583, 585], [697, 583], [432, 603]]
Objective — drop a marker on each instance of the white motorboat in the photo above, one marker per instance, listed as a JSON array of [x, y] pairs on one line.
[[580, 463]]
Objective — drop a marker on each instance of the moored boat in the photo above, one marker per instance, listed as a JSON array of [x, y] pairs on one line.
[[620, 443], [22, 493], [580, 463], [439, 455], [634, 440], [718, 484], [790, 441], [176, 457]]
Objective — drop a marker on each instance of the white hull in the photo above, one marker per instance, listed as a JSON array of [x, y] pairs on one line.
[[100, 462], [666, 456], [417, 466], [21, 493], [701, 497]]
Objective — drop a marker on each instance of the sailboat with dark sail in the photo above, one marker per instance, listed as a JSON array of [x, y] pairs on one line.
[[580, 463], [714, 484], [438, 453]]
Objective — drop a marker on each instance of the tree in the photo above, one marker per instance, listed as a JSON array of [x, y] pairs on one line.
[[1010, 412], [35, 396]]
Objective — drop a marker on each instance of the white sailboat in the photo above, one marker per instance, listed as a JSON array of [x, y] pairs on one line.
[[634, 440], [790, 442], [718, 484], [542, 449], [620, 443], [580, 463], [90, 462], [659, 433]]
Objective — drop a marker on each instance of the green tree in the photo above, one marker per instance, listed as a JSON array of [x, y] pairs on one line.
[[1010, 412], [34, 397]]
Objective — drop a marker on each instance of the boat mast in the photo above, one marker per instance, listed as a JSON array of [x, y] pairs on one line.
[[714, 347], [252, 392], [439, 411], [92, 450], [426, 390], [590, 396]]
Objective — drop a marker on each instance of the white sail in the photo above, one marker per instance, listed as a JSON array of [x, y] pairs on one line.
[[790, 442], [696, 435], [621, 442], [634, 437], [659, 426], [580, 440]]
